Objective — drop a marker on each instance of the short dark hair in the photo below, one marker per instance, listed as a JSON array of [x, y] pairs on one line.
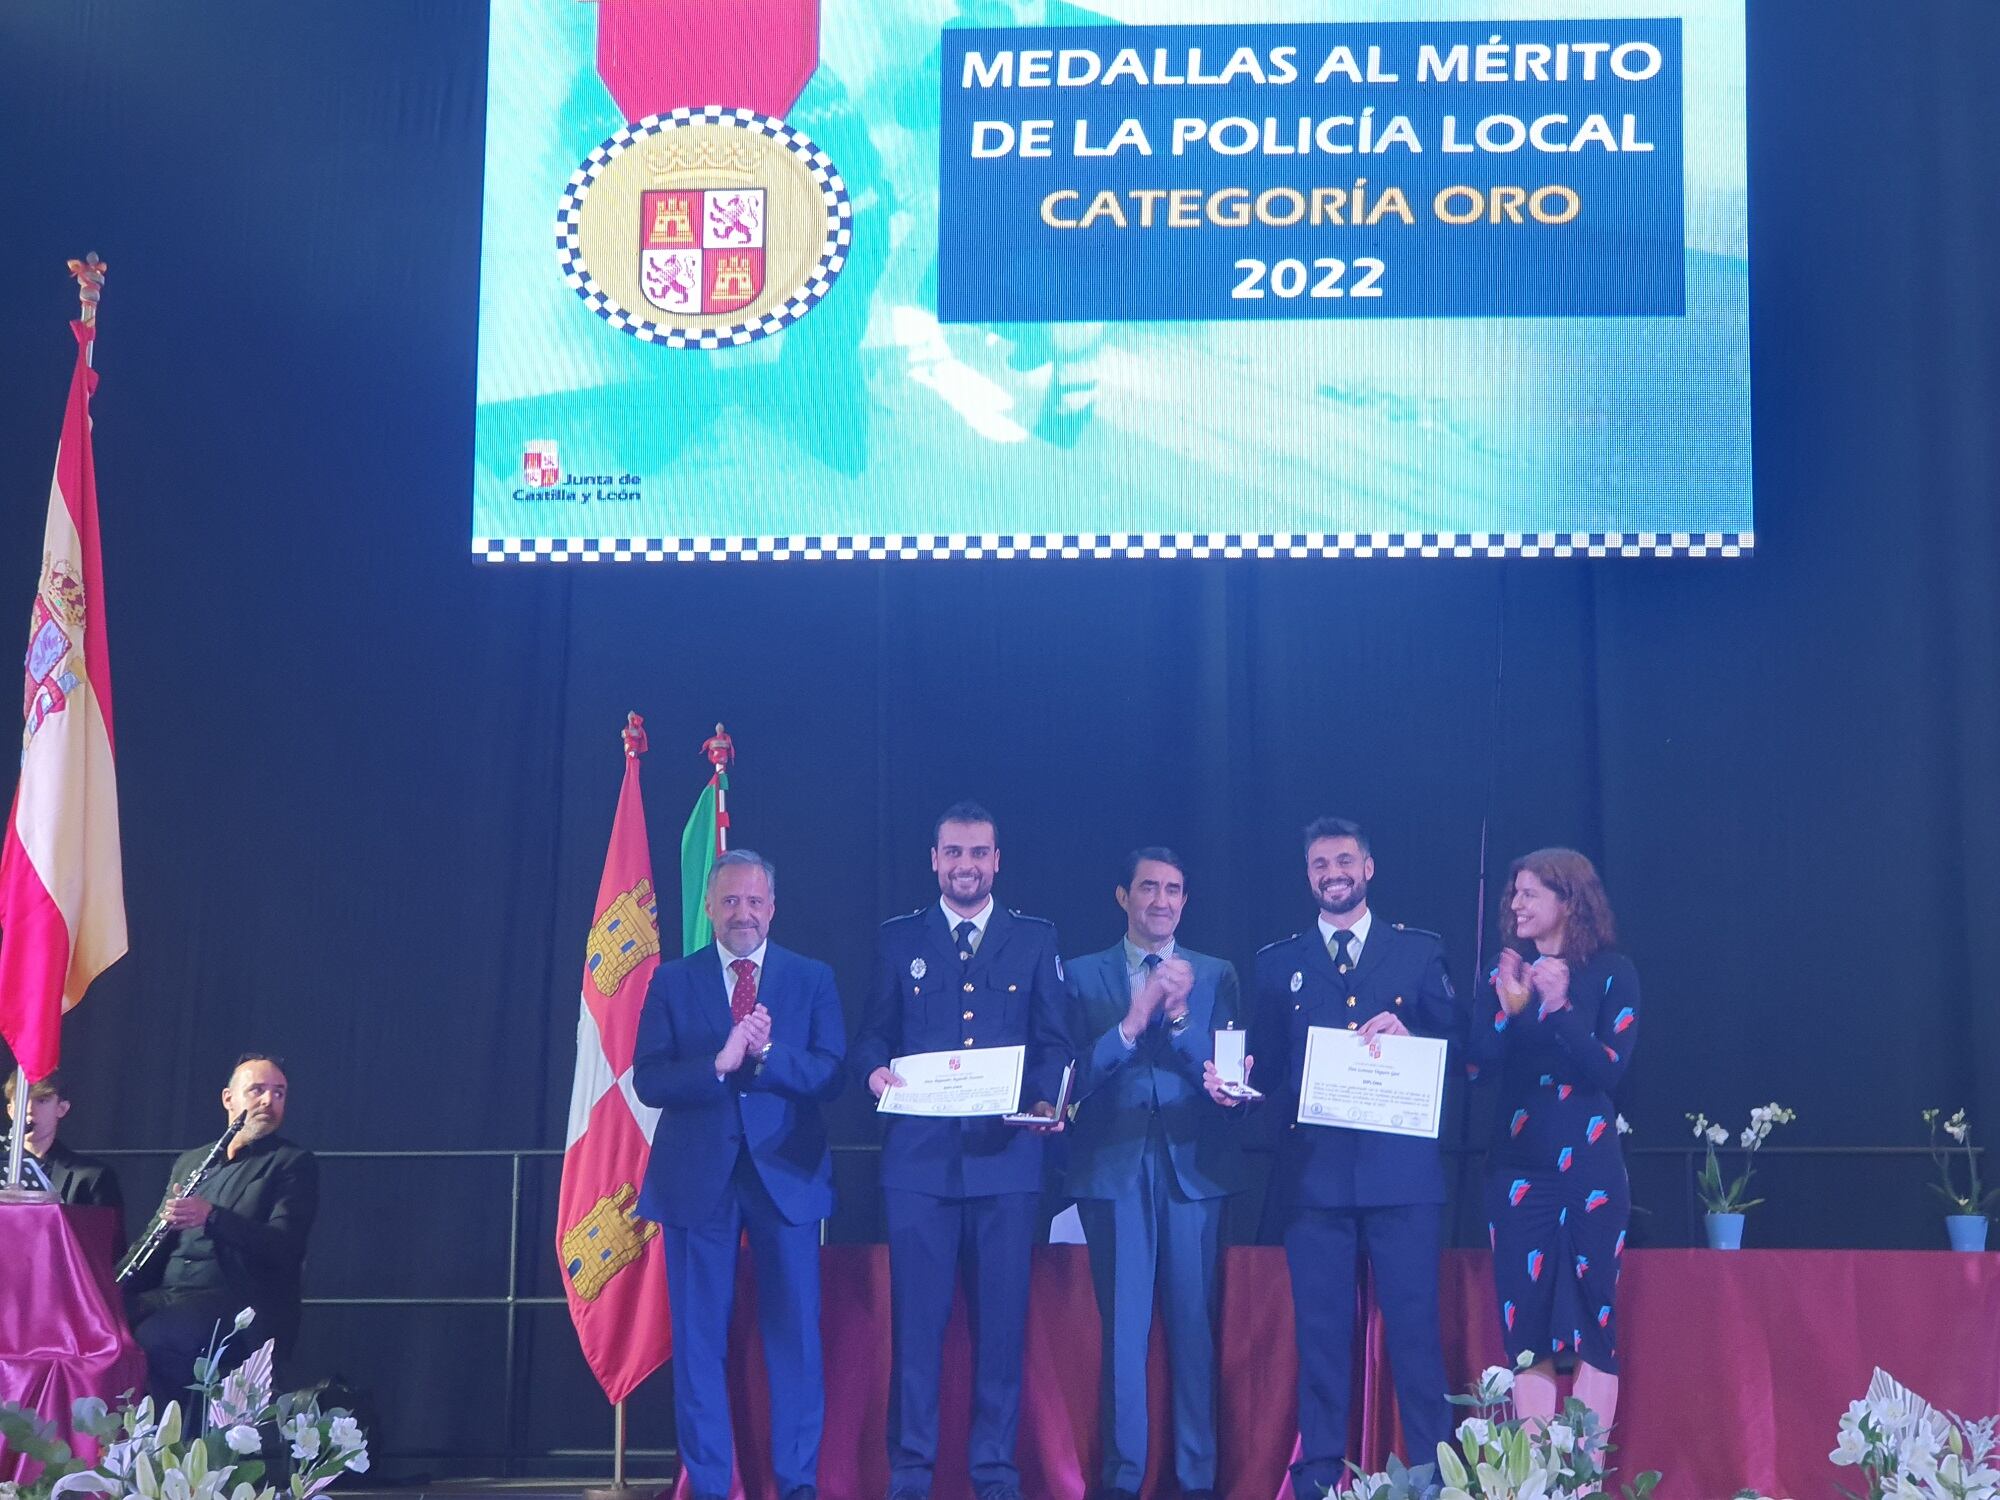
[[1157, 852], [49, 1085], [966, 811], [249, 1057], [1336, 828]]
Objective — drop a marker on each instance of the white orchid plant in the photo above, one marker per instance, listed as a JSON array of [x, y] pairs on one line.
[[1959, 1130], [1716, 1198], [248, 1445], [1501, 1457]]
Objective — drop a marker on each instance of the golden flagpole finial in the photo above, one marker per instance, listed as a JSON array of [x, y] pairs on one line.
[[89, 274]]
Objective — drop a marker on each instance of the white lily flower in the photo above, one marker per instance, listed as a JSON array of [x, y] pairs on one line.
[[345, 1432], [305, 1443], [243, 1438], [1561, 1437]]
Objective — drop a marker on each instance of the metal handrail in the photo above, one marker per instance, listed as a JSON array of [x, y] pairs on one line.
[[513, 1300]]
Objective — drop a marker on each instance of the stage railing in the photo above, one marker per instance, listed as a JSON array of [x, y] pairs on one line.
[[513, 1299]]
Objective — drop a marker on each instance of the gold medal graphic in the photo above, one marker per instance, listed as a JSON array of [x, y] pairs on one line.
[[704, 228]]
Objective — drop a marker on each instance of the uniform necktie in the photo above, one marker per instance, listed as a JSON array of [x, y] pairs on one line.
[[1338, 947], [743, 999], [965, 933]]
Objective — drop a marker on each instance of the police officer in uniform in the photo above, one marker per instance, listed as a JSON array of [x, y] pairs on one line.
[[962, 972], [1341, 1191]]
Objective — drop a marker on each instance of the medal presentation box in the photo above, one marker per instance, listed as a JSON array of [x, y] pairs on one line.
[[808, 279]]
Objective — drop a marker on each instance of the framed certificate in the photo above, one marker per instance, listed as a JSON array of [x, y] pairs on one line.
[[956, 1085], [1348, 1085]]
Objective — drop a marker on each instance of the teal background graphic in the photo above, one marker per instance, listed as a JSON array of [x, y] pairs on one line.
[[869, 417]]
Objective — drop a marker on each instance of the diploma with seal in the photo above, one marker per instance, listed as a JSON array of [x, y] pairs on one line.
[[956, 1085], [1399, 1092]]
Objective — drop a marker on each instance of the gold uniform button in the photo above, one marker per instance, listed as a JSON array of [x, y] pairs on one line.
[[1012, 987], [1352, 1001], [1399, 999], [968, 1016], [968, 1041], [1353, 1026], [1297, 1006], [968, 987]]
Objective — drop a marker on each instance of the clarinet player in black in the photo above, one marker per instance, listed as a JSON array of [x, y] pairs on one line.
[[236, 1239]]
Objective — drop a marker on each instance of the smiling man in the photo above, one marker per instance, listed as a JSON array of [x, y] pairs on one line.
[[740, 1043], [961, 972], [240, 1238], [1342, 1190], [1153, 1159]]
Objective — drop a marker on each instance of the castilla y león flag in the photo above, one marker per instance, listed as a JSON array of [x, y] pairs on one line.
[[613, 1271], [62, 894]]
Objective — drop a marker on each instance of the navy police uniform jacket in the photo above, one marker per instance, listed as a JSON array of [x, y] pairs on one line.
[[1401, 971], [769, 1107], [924, 1000]]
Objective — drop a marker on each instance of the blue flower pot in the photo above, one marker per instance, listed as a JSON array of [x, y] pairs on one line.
[[1967, 1231], [1725, 1231]]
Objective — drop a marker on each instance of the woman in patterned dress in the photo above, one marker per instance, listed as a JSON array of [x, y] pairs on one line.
[[1559, 1020]]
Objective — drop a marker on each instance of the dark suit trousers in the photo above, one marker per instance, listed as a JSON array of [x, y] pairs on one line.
[[1402, 1246], [929, 1238], [701, 1291], [1155, 1238]]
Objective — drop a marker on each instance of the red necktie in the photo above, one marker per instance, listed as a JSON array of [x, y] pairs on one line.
[[743, 999]]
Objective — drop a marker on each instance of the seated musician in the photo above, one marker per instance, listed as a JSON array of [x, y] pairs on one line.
[[236, 1239], [72, 1176]]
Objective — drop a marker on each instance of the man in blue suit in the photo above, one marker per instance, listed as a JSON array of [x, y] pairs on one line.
[[1340, 1190], [962, 972], [1152, 1162], [739, 1043]]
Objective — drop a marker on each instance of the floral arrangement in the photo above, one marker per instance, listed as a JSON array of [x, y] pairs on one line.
[[1499, 1457], [1905, 1449], [1708, 1181], [1972, 1201], [249, 1444]]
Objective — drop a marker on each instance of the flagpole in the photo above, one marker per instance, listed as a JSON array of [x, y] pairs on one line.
[[721, 752], [17, 1138], [89, 274]]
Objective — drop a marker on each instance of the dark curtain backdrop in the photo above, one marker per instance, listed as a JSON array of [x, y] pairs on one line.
[[366, 784]]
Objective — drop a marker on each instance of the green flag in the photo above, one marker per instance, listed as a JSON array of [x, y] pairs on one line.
[[699, 842]]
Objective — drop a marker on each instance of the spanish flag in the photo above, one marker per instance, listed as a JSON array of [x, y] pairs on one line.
[[62, 888]]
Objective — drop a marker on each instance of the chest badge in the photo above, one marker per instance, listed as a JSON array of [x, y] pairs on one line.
[[918, 968], [1298, 980]]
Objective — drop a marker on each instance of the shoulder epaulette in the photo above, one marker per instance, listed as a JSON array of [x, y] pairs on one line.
[[905, 916], [1021, 916], [1279, 943], [1419, 931]]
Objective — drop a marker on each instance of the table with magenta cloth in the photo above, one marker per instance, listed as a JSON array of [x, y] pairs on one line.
[[62, 1324], [1737, 1367]]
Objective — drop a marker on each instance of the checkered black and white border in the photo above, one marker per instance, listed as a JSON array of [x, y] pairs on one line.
[[839, 231], [1114, 544]]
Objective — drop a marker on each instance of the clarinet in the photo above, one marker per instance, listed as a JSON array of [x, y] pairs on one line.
[[157, 1229]]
